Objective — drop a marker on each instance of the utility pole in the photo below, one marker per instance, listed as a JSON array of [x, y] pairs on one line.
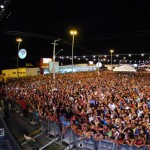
[[19, 40], [54, 56], [98, 65]]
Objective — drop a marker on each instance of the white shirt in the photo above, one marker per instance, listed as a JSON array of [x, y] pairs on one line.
[[111, 106], [28, 138]]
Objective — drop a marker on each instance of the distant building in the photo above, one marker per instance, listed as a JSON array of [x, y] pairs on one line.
[[20, 72]]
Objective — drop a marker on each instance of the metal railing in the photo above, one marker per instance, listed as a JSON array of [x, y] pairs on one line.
[[54, 131]]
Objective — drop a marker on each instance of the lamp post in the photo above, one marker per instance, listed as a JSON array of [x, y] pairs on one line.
[[59, 52], [111, 51], [73, 33], [19, 40], [98, 65], [54, 56]]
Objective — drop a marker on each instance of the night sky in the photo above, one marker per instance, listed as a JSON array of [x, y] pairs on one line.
[[101, 24]]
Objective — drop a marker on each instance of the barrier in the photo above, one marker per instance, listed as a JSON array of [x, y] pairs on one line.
[[68, 136], [43, 122], [89, 144], [76, 139], [33, 118], [127, 147], [106, 145], [54, 129]]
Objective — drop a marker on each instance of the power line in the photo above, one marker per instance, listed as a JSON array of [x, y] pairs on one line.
[[41, 36]]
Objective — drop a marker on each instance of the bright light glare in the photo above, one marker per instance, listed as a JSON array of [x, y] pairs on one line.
[[2, 6], [111, 50], [19, 40], [73, 32]]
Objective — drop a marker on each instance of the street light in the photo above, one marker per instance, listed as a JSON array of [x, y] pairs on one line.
[[98, 65], [54, 56], [111, 51], [59, 52], [19, 40], [73, 33]]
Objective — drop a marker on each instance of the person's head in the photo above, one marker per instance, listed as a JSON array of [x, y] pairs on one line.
[[139, 136], [113, 130], [121, 136], [141, 132]]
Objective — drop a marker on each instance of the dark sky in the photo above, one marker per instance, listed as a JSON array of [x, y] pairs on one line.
[[101, 25]]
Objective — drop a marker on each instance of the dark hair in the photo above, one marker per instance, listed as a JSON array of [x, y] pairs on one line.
[[25, 132]]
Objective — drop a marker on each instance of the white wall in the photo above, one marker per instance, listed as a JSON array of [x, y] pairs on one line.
[[32, 71]]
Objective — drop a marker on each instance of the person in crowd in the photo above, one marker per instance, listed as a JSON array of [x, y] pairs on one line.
[[1, 112], [139, 141], [30, 141]]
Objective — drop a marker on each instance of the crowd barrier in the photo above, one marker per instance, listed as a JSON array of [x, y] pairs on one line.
[[54, 129]]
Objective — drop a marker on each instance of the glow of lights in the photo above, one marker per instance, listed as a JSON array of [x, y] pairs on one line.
[[135, 65], [111, 50], [19, 40], [91, 62], [94, 56], [117, 55], [99, 64], [2, 6], [129, 55], [73, 32], [83, 56], [142, 54]]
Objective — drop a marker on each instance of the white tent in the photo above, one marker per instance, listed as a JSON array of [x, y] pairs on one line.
[[124, 68]]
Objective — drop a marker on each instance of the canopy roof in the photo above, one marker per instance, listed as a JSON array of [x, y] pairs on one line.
[[124, 68]]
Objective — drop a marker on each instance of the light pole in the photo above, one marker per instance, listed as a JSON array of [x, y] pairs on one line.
[[111, 51], [54, 56], [73, 33], [98, 65], [58, 52], [19, 40]]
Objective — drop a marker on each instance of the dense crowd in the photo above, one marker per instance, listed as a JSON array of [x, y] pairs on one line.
[[111, 106]]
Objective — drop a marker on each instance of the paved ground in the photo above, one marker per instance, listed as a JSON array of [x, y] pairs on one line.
[[18, 124]]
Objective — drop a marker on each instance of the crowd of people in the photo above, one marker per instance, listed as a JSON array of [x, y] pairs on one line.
[[111, 106]]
